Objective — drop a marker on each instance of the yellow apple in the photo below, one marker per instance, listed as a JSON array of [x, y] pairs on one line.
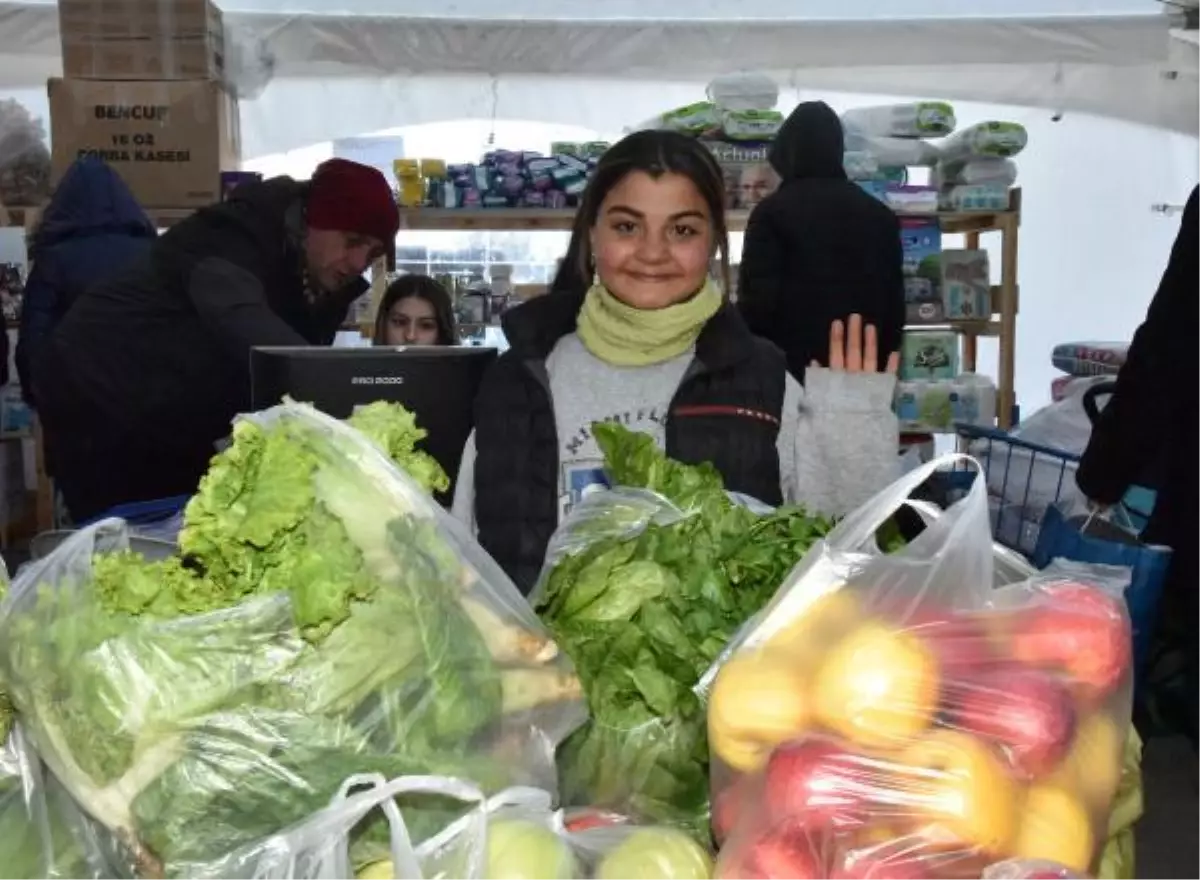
[[964, 788], [821, 624], [1055, 825], [1092, 765], [878, 686], [759, 700]]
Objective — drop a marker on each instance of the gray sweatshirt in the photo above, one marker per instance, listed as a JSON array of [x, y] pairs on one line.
[[838, 438]]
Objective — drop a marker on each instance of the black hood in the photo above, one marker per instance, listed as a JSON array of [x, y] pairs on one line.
[[810, 144]]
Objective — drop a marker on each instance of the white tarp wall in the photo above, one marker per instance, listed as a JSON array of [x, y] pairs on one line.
[[1091, 248]]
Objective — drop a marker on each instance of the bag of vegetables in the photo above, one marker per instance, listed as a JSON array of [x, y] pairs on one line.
[[901, 716], [513, 834], [42, 832], [325, 618], [643, 587]]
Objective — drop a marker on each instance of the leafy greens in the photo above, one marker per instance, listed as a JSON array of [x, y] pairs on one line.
[[320, 623], [644, 613]]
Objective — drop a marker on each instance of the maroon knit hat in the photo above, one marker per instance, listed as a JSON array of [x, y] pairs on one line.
[[350, 197]]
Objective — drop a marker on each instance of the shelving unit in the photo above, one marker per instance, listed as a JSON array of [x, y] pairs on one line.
[[1005, 295]]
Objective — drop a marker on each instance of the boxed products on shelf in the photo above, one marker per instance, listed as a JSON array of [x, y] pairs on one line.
[[169, 140], [749, 177], [929, 354], [966, 285], [502, 179], [937, 405], [921, 242]]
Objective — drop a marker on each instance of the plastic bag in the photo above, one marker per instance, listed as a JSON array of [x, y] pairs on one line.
[[891, 151], [511, 834], [372, 637], [744, 90], [898, 713], [983, 140], [1029, 869], [644, 595], [42, 833], [1001, 172], [913, 120]]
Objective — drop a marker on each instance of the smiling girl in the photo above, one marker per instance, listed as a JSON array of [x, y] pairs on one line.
[[653, 344]]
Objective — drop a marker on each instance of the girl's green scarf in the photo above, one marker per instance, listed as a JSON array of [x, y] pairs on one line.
[[623, 336]]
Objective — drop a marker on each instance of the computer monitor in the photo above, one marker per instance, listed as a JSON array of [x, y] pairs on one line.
[[437, 384]]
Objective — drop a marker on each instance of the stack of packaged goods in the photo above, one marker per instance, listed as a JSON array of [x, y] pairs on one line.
[[502, 179], [144, 89]]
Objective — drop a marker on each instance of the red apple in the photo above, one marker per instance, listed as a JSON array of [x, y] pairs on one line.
[[786, 852], [1081, 630], [1026, 711], [961, 642], [820, 784]]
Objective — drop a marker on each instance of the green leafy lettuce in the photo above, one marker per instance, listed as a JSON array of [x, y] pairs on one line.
[[644, 614], [318, 624]]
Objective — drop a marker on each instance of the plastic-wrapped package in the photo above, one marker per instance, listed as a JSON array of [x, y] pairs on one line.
[[1000, 172], [744, 90], [513, 834], [644, 586], [328, 619], [914, 120], [891, 151], [1029, 869], [899, 714], [42, 832], [995, 140]]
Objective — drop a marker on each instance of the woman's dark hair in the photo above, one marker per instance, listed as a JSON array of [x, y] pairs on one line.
[[423, 287], [656, 153]]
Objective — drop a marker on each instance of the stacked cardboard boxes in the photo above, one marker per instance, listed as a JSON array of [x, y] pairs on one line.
[[143, 90]]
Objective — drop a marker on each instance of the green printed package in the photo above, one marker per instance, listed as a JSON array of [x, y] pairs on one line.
[[644, 611], [320, 622]]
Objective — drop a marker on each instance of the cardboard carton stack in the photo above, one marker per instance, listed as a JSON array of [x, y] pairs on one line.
[[142, 89]]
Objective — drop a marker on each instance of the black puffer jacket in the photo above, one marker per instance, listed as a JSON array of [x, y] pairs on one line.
[[819, 248], [146, 371], [727, 411]]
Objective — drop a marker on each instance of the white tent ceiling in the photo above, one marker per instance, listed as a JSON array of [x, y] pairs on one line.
[[372, 64]]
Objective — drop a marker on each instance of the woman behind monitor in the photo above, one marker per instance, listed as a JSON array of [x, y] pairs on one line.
[[415, 310]]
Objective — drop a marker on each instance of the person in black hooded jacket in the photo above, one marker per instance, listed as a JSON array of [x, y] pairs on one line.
[[1151, 421], [819, 248]]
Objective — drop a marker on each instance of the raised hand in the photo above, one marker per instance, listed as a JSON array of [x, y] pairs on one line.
[[855, 349]]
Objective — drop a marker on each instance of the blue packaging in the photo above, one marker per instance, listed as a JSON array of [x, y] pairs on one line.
[[571, 162], [921, 244], [541, 165]]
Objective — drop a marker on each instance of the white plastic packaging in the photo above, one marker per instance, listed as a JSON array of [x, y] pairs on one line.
[[744, 90]]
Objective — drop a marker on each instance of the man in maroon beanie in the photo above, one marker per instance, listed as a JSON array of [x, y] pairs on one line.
[[145, 373]]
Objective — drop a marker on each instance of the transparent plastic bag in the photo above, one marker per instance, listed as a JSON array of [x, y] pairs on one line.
[[911, 120], [42, 833], [644, 595], [1029, 869], [900, 714], [371, 635]]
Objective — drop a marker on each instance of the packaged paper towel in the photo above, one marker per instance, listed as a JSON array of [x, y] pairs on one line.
[[1000, 172], [999, 140], [744, 90], [913, 120], [891, 151]]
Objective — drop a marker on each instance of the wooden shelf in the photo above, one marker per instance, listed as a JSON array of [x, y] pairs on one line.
[[26, 216], [562, 219]]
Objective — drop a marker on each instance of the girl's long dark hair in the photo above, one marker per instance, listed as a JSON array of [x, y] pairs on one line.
[[656, 153], [423, 287]]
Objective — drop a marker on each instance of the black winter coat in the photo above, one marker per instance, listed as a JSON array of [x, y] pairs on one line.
[[146, 372], [819, 248], [727, 411], [1151, 420]]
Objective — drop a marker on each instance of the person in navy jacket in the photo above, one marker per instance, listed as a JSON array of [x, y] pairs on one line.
[[92, 229]]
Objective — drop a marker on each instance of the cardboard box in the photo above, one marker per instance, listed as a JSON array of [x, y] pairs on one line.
[[749, 177], [169, 140], [142, 39]]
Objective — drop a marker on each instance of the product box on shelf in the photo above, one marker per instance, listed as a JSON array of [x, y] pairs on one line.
[[966, 285], [168, 140], [921, 242], [749, 177], [929, 354], [141, 39]]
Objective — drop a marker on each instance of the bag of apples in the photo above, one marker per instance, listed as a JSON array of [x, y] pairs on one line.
[[899, 716]]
